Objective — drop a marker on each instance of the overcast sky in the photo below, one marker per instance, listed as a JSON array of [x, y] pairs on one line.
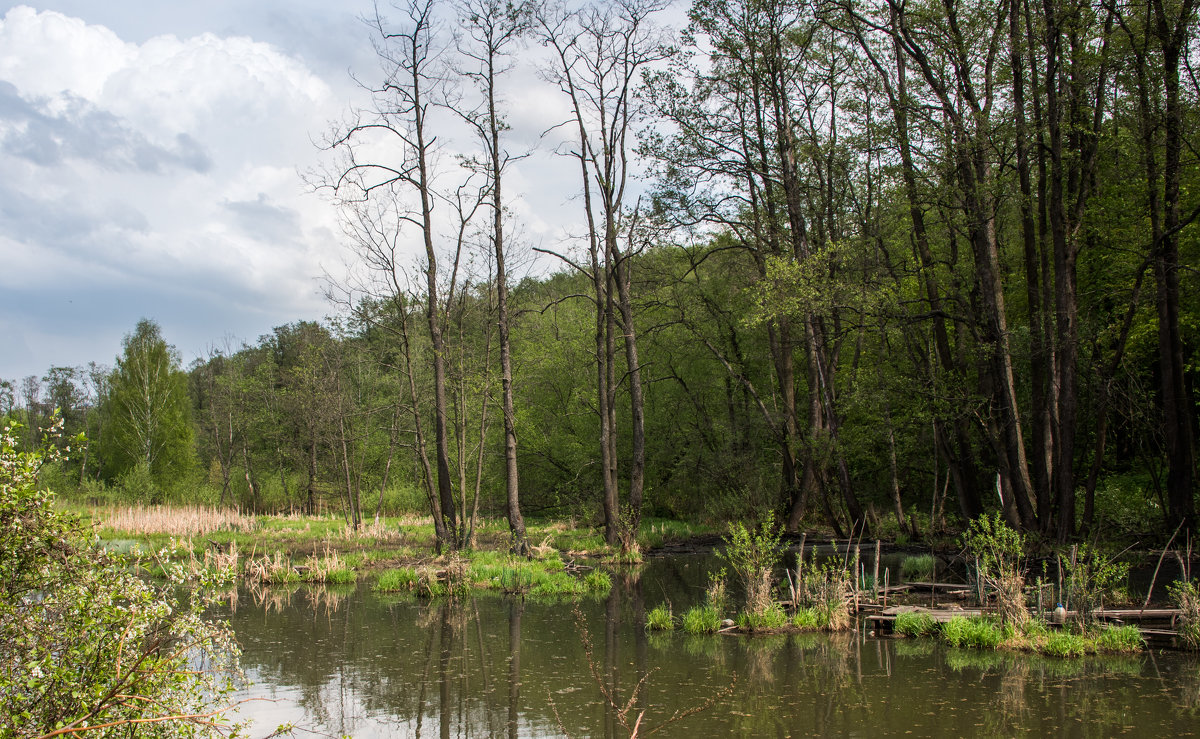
[[150, 154]]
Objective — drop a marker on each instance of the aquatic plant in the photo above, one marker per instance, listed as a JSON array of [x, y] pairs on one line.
[[1092, 576], [827, 588], [915, 623], [976, 632], [659, 618], [1120, 640], [703, 619], [272, 569], [810, 618], [753, 556], [769, 618], [396, 580], [1064, 643]]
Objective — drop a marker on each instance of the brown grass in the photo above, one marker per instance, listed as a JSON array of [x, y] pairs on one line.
[[175, 520]]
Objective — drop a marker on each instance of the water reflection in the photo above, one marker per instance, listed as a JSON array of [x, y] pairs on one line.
[[349, 661]]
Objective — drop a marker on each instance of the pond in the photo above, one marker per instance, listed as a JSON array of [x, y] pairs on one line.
[[353, 662]]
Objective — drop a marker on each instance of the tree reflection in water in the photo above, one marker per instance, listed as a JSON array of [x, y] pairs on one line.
[[340, 661]]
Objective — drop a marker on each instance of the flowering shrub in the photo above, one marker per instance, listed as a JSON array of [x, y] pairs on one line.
[[86, 646]]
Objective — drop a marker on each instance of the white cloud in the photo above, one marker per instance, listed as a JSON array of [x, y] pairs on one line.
[[168, 163]]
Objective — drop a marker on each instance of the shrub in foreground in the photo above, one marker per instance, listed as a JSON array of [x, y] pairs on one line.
[[84, 641]]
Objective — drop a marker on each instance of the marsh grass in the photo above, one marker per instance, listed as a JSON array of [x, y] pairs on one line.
[[659, 618], [273, 569], [770, 618], [975, 632], [330, 569], [703, 619], [1186, 596], [396, 580], [182, 521], [914, 623]]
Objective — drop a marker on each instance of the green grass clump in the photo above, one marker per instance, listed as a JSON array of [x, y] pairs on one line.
[[914, 623], [659, 618], [1064, 644], [597, 581], [1120, 640], [393, 581], [703, 619], [812, 618], [340, 576], [918, 568], [767, 619], [979, 633]]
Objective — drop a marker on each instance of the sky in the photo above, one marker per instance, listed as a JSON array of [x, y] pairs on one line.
[[152, 156]]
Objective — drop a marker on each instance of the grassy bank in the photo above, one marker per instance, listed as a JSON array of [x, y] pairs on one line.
[[397, 553]]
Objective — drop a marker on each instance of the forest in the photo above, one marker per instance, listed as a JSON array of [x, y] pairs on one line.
[[872, 265]]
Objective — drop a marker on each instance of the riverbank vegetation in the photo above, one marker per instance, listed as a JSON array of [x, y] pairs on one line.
[[88, 645], [934, 266]]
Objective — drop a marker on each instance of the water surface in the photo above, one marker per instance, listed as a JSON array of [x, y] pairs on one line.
[[354, 662]]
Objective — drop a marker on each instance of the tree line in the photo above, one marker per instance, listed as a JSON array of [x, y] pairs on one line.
[[863, 263]]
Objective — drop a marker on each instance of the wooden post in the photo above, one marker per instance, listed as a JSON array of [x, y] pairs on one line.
[[886, 573]]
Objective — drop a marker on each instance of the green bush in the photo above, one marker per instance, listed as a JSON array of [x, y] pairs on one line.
[[1186, 596], [705, 619], [84, 641], [914, 623], [597, 581], [753, 556], [660, 619], [976, 632]]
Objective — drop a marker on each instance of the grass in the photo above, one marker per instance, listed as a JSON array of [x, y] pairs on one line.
[[659, 618], [173, 520], [914, 623], [769, 619], [976, 632], [917, 568], [811, 618], [396, 580], [705, 619]]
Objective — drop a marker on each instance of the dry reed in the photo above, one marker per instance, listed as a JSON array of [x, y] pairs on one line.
[[175, 520]]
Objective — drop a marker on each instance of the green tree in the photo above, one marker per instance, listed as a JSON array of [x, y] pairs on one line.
[[148, 409]]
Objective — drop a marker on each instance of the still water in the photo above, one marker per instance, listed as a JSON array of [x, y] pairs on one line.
[[352, 662]]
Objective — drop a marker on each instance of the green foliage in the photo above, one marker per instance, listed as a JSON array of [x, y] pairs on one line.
[[597, 581], [702, 619], [659, 618], [976, 632], [999, 552], [1091, 577], [915, 623], [768, 619], [149, 411], [918, 568], [1186, 596], [1120, 640], [753, 557], [810, 618], [1063, 643], [84, 641]]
